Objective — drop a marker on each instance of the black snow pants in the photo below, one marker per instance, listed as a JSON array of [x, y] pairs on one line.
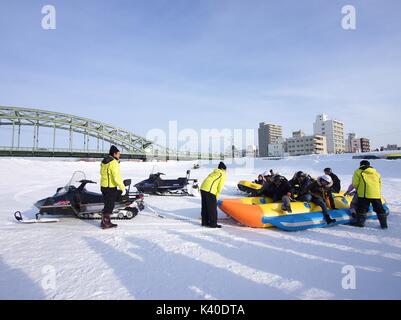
[[209, 209], [110, 196], [363, 208]]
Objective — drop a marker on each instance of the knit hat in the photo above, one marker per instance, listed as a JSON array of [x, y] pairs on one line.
[[222, 166], [113, 150], [365, 163]]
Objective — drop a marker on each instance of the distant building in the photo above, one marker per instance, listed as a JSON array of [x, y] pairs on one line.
[[352, 143], [276, 149], [250, 152], [232, 152], [333, 130], [300, 144], [364, 145], [268, 134], [355, 144], [298, 134], [391, 147]]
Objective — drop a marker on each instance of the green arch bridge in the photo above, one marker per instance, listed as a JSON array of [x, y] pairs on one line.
[[133, 146]]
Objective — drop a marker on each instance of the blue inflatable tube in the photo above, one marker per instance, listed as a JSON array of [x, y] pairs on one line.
[[297, 222]]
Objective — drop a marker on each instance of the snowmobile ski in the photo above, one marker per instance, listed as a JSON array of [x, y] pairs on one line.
[[19, 218]]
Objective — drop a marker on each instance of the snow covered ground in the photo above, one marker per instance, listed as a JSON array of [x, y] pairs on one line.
[[174, 258]]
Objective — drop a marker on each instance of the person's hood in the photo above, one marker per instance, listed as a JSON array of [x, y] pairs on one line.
[[368, 170], [109, 159]]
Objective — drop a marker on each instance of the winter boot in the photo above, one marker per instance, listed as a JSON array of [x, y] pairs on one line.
[[383, 221], [359, 221], [106, 222], [286, 208], [329, 220], [217, 226]]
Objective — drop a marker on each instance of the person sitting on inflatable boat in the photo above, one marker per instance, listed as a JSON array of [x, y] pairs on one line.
[[299, 184], [278, 190], [260, 180], [321, 190], [266, 176], [335, 178]]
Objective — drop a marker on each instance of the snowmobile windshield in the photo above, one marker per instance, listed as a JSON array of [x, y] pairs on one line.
[[155, 169], [74, 181]]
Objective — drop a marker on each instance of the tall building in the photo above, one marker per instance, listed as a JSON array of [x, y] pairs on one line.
[[268, 134], [333, 130], [300, 144]]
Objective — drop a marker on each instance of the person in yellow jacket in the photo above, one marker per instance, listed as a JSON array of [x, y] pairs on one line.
[[367, 182], [110, 179], [210, 191]]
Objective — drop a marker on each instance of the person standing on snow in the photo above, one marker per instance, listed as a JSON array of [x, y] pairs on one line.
[[210, 191], [336, 181], [367, 182], [110, 179]]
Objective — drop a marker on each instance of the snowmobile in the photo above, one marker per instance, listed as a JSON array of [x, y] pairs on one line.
[[155, 185], [72, 200]]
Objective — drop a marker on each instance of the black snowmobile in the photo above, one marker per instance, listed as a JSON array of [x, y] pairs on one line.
[[155, 185], [77, 201]]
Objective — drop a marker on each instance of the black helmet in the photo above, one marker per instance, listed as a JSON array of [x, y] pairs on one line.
[[300, 174], [277, 178], [328, 170]]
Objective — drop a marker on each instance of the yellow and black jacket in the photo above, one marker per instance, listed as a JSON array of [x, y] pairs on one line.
[[214, 183], [110, 176], [368, 183]]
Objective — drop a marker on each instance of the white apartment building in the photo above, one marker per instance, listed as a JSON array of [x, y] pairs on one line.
[[333, 130], [300, 144]]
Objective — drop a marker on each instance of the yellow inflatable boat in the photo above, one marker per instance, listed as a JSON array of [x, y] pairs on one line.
[[248, 187], [252, 211]]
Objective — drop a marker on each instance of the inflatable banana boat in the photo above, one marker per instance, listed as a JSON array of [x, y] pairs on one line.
[[248, 187], [260, 212]]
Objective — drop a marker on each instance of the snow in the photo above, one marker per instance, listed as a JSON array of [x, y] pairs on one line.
[[175, 258]]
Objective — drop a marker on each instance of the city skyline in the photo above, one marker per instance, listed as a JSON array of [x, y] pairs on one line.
[[205, 64]]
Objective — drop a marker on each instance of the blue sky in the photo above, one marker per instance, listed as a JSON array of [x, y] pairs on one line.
[[207, 63]]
